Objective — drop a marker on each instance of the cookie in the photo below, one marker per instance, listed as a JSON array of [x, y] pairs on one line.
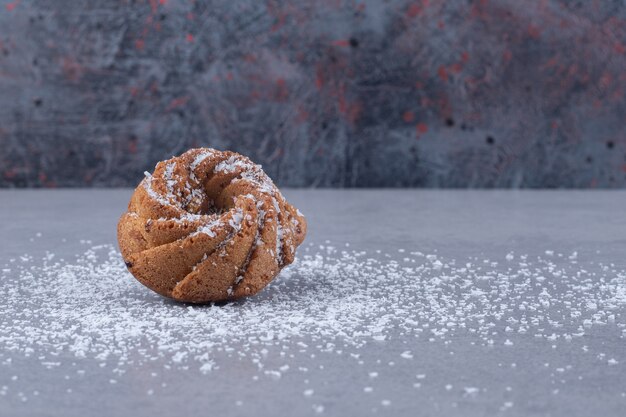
[[208, 226]]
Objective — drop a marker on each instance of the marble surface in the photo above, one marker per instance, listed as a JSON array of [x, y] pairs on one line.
[[456, 375]]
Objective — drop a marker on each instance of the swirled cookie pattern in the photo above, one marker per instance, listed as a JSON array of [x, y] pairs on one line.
[[207, 226]]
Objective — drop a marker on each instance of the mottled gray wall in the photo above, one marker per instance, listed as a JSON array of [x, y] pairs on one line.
[[432, 93]]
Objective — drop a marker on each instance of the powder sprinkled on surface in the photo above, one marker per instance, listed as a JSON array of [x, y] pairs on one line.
[[329, 300]]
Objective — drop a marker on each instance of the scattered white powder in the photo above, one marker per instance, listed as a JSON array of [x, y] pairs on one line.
[[210, 227], [407, 355], [249, 172], [170, 181], [198, 160], [147, 184], [507, 405], [233, 163], [237, 218], [336, 299], [470, 391], [207, 367], [273, 374]]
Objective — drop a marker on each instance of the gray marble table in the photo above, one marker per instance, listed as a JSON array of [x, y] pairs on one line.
[[466, 372]]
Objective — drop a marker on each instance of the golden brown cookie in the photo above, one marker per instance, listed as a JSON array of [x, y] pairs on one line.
[[208, 226]]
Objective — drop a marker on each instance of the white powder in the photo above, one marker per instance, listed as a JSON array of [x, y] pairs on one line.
[[147, 184], [170, 181], [407, 355], [332, 299], [209, 229], [198, 160], [231, 164]]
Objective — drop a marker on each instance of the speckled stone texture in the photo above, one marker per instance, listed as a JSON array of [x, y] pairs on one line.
[[322, 93]]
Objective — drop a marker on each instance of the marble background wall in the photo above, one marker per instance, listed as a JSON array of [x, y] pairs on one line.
[[326, 93]]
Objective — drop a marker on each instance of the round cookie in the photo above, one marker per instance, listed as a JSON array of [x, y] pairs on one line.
[[208, 226]]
